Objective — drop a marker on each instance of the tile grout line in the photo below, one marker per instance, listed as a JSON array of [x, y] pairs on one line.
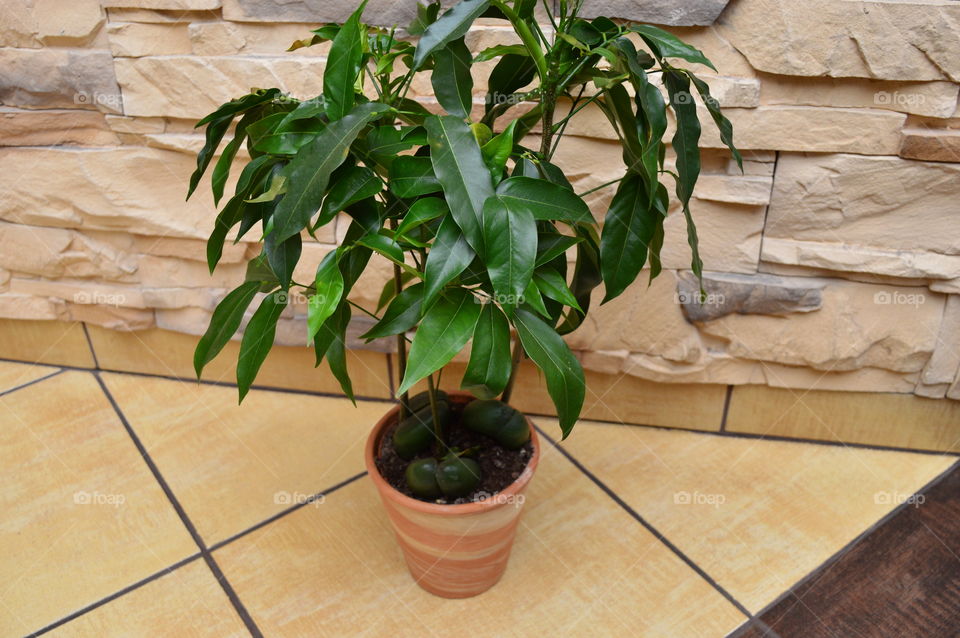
[[115, 595], [207, 556], [93, 353], [726, 408], [30, 383], [650, 528], [843, 551]]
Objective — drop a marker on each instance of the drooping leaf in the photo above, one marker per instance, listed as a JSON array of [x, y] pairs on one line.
[[723, 124], [627, 232], [667, 45], [497, 151], [350, 186], [458, 165], [223, 324], [545, 200], [553, 285], [412, 176], [533, 299], [269, 135], [402, 314], [336, 324], [564, 376], [488, 370], [221, 171], [258, 339], [686, 145], [283, 256], [445, 329], [253, 174], [452, 25], [451, 79], [500, 49], [328, 284], [308, 174], [661, 203], [510, 237], [337, 355], [421, 212], [512, 73], [586, 276], [343, 67], [552, 245], [384, 245], [450, 255], [426, 15]]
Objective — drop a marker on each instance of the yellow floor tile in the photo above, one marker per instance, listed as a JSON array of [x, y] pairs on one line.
[[755, 515], [51, 342], [231, 467], [82, 515], [619, 398], [580, 566], [185, 603], [897, 420], [171, 354], [16, 374]]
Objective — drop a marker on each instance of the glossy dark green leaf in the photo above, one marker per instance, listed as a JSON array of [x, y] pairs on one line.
[[620, 107], [496, 51], [512, 73], [545, 200], [335, 325], [426, 15], [449, 257], [328, 285], [343, 67], [402, 314], [661, 203], [458, 164], [497, 151], [421, 212], [283, 256], [533, 298], [552, 285], [223, 324], [337, 355], [562, 371], [723, 124], [586, 276], [267, 135], [412, 176], [488, 370], [306, 110], [353, 184], [685, 143], [451, 26], [627, 231], [253, 175], [384, 143], [451, 79], [445, 329], [667, 45], [368, 213], [552, 245], [221, 171], [258, 339], [384, 245], [510, 237], [308, 174]]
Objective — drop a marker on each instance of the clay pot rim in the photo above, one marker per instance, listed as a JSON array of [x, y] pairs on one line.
[[388, 491]]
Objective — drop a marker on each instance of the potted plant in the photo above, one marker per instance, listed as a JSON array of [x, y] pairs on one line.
[[478, 224]]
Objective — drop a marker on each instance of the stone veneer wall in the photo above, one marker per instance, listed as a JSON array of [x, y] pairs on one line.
[[834, 261]]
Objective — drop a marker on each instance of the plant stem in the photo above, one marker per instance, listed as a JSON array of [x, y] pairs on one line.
[[594, 190], [401, 340], [435, 413], [514, 370]]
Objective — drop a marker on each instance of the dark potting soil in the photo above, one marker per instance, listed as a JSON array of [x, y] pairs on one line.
[[499, 466]]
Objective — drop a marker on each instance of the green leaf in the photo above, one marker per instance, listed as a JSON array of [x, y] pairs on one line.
[[384, 245], [421, 212], [545, 200], [451, 26], [554, 286], [444, 330], [512, 73], [533, 298], [283, 256], [510, 237], [385, 143], [586, 276], [661, 203], [402, 314], [667, 45], [450, 256], [499, 50], [329, 291], [350, 186], [451, 79], [335, 324], [488, 370], [723, 124], [552, 245], [223, 324], [278, 186], [337, 356], [308, 174], [343, 67], [562, 371], [251, 176], [258, 339], [497, 151], [618, 105], [412, 176], [269, 135], [221, 171], [685, 144], [627, 232], [458, 164]]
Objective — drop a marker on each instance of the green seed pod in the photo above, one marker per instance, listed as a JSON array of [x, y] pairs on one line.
[[457, 476], [497, 420], [421, 478], [415, 434], [422, 400]]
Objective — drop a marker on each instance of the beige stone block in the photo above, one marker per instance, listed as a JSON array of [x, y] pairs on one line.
[[54, 128], [858, 326], [151, 16], [934, 145], [748, 190], [134, 40], [730, 236], [944, 365], [113, 295], [59, 78], [56, 253], [110, 317], [240, 38], [49, 342], [896, 420], [193, 86], [39, 23], [869, 39], [717, 48], [19, 305], [734, 92], [164, 5], [934, 99]]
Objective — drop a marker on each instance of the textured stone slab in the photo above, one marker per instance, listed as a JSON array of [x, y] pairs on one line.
[[38, 23], [134, 39], [675, 13], [54, 127], [760, 294], [59, 78], [935, 145]]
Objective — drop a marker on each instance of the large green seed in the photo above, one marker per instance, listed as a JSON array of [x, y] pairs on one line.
[[497, 420], [415, 434], [422, 400], [457, 476], [421, 478]]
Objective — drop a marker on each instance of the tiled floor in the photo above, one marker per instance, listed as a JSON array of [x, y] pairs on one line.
[[135, 505]]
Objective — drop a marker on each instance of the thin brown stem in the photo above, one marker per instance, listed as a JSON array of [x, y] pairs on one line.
[[435, 413]]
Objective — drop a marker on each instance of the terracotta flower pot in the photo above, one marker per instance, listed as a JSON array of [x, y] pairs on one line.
[[454, 551]]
